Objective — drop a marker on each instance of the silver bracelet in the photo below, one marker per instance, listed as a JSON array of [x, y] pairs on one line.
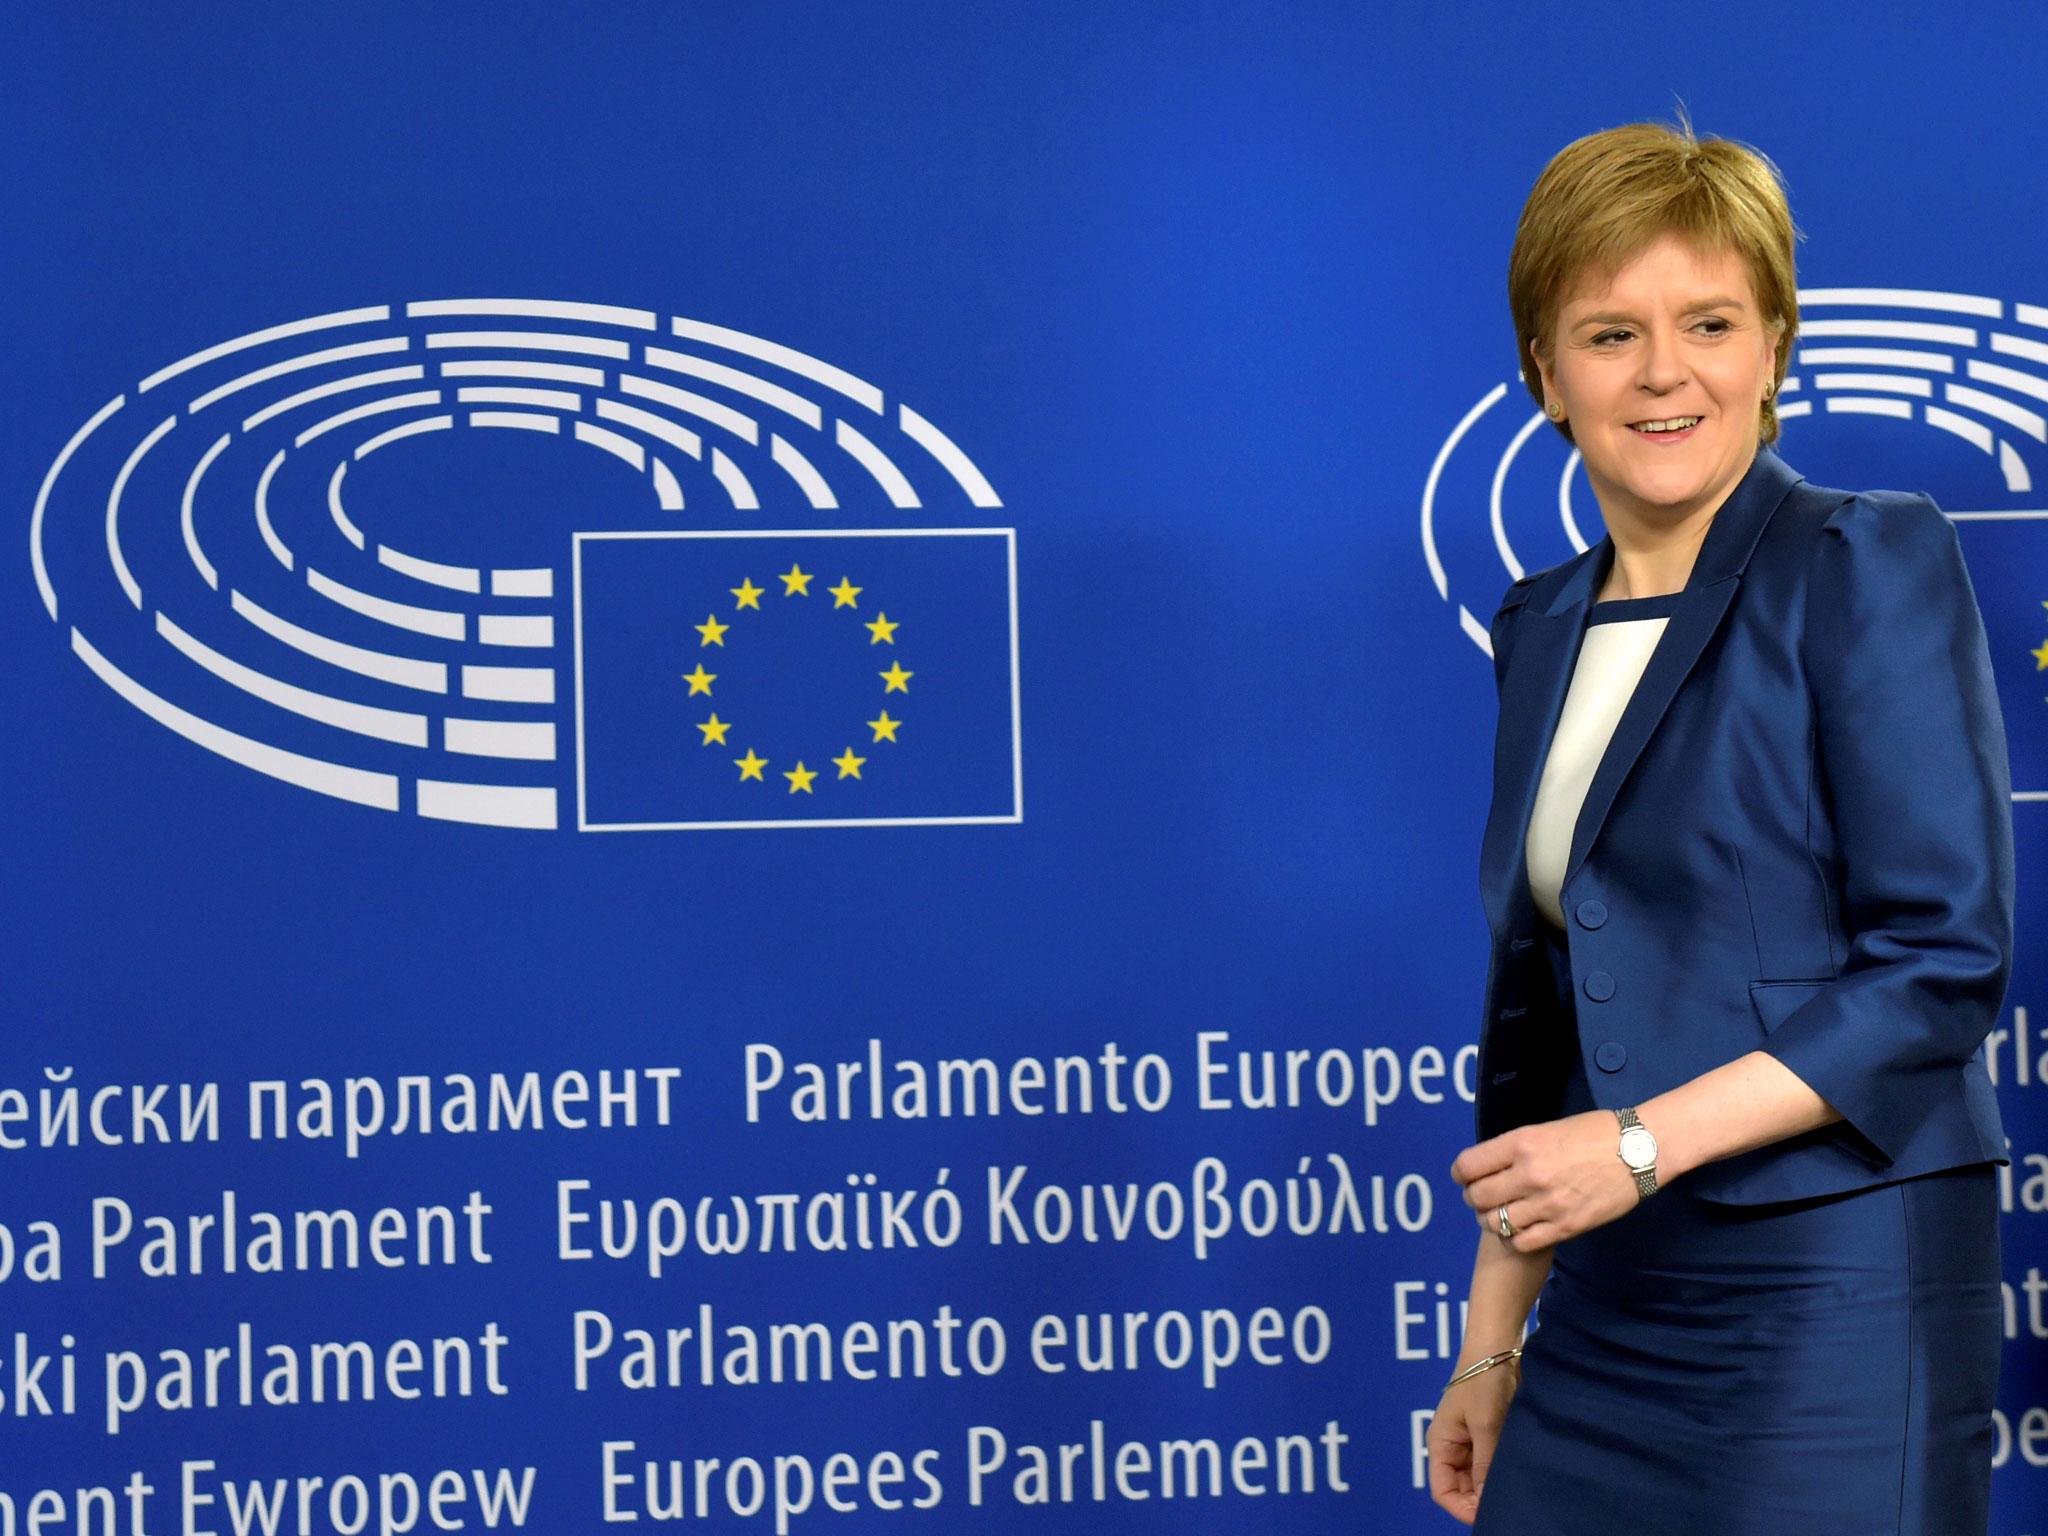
[[1483, 1365]]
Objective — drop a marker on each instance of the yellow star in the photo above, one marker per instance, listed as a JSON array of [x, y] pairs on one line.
[[2040, 657], [885, 728], [712, 631], [748, 594], [700, 680], [750, 766], [800, 778], [844, 594], [896, 680], [883, 628], [796, 582], [849, 765], [714, 729]]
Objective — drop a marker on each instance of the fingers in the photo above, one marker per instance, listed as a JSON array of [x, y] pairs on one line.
[[1530, 1234], [1475, 1162]]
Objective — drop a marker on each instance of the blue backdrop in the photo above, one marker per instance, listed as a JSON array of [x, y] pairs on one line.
[[1078, 450]]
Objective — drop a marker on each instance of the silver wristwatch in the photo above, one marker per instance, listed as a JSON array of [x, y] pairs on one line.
[[1639, 1151]]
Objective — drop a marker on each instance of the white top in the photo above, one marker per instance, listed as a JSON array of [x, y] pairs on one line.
[[1615, 649]]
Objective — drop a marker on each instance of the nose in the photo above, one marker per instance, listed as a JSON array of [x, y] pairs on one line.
[[1663, 361]]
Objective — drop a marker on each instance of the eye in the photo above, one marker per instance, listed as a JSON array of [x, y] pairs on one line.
[[1614, 336], [1714, 325]]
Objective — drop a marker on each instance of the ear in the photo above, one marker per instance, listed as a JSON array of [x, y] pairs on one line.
[[1543, 372]]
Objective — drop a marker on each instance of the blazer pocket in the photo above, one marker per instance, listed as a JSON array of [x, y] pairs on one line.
[[1776, 1001]]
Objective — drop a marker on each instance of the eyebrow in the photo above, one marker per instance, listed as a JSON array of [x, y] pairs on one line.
[[1696, 306]]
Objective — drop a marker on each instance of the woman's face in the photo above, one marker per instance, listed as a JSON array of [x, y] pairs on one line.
[[1661, 372]]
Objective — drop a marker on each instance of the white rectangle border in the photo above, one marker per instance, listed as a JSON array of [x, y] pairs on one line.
[[1009, 537]]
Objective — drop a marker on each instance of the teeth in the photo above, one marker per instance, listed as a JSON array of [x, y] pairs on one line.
[[1675, 424]]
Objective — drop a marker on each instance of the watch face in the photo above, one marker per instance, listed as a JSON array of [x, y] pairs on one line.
[[1638, 1147]]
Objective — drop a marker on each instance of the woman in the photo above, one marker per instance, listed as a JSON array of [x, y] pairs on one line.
[[1749, 875]]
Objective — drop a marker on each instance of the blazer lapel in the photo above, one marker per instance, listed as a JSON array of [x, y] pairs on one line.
[[1546, 650], [1532, 698]]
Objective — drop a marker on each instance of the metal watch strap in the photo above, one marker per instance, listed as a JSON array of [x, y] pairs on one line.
[[1646, 1178]]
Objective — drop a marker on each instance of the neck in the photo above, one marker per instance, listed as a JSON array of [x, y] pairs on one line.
[[1654, 547], [1653, 559]]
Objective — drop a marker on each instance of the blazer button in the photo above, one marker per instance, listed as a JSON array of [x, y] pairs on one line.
[[1591, 914], [1612, 1056], [1599, 986]]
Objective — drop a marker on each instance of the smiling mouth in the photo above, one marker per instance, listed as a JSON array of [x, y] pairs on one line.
[[1665, 427]]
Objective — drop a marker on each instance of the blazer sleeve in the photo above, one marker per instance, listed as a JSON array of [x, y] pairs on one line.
[[1912, 759]]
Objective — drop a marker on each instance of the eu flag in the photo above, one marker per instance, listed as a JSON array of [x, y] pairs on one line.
[[839, 677]]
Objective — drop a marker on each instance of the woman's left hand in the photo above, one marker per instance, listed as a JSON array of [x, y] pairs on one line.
[[1557, 1178]]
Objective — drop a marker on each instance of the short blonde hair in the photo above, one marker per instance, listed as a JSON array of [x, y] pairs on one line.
[[1607, 197]]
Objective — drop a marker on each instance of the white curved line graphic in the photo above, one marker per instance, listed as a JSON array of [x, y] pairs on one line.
[[786, 358], [277, 545], [297, 364], [405, 671], [738, 423], [185, 524], [658, 427], [529, 740], [2032, 423], [1855, 405], [487, 805], [509, 685], [523, 421], [514, 394], [2008, 378], [806, 476], [1893, 330], [1876, 357], [1905, 298], [612, 443], [739, 382], [370, 445], [437, 622], [376, 790], [391, 725], [1969, 431], [951, 459], [668, 493], [1500, 477], [119, 561], [341, 518], [334, 387], [1436, 470], [258, 338], [518, 368], [35, 521], [540, 309], [362, 412], [523, 583], [877, 463], [1566, 512], [529, 341], [1890, 383], [2014, 468], [737, 485], [456, 578]]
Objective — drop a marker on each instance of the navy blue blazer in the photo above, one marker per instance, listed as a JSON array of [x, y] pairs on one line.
[[1799, 840]]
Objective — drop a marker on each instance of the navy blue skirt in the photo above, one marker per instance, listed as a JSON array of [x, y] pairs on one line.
[[1821, 1367]]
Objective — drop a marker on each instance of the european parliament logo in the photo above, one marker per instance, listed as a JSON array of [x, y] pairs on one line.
[[843, 677], [326, 552]]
